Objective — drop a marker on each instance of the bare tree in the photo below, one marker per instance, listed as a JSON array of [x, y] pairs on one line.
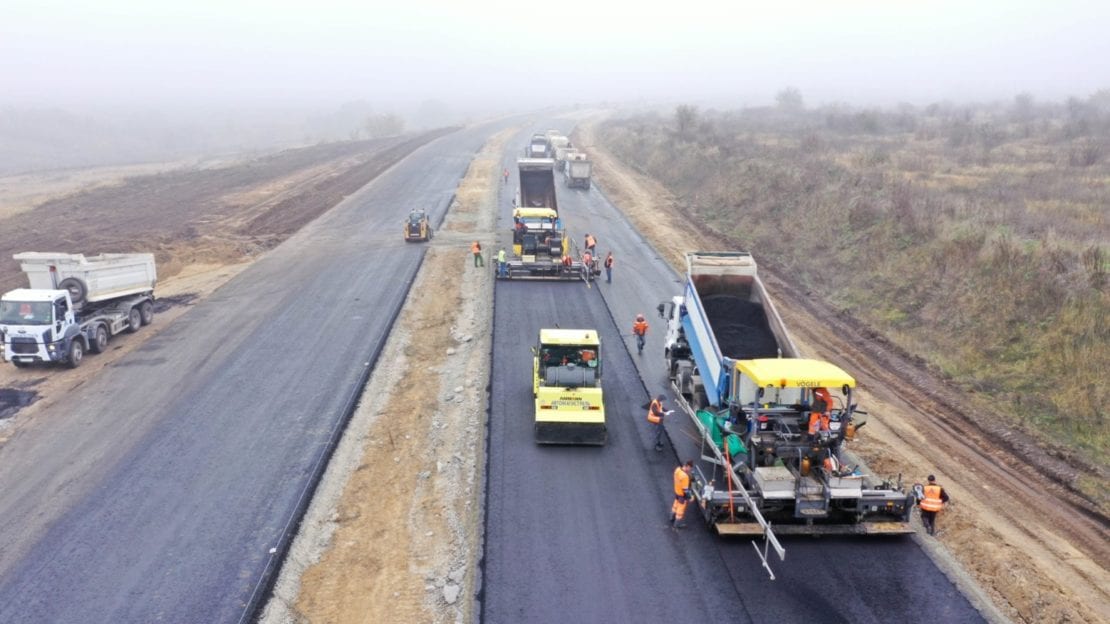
[[790, 99], [685, 119]]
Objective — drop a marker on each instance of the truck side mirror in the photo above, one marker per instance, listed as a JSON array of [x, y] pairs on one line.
[[661, 307]]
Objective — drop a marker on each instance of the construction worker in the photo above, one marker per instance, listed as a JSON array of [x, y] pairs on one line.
[[932, 503], [502, 265], [505, 176], [591, 242], [655, 416], [681, 494], [476, 249], [639, 329], [588, 264], [609, 268]]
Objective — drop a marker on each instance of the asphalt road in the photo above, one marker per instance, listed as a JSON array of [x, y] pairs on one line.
[[577, 534], [167, 488]]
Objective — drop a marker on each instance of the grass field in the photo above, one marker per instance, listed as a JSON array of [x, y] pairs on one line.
[[977, 236]]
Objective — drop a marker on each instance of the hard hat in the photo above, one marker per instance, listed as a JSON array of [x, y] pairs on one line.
[[639, 317]]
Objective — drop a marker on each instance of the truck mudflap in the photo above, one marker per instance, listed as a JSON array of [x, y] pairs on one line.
[[860, 528], [593, 434]]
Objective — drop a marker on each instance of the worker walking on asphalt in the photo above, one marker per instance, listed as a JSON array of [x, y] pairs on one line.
[[505, 176], [502, 265], [655, 416], [591, 242], [639, 329], [681, 494], [932, 503], [609, 268], [476, 249]]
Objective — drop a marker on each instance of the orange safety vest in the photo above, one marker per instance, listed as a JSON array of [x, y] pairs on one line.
[[932, 500], [640, 328], [655, 412], [587, 259], [609, 261], [591, 241], [681, 481], [475, 247]]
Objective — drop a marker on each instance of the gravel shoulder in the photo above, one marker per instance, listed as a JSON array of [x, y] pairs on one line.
[[1016, 533]]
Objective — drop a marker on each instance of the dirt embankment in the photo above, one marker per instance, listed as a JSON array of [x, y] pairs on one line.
[[1033, 545], [214, 215], [392, 535], [205, 226]]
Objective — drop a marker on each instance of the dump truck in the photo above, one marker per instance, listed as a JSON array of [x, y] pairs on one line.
[[563, 154], [417, 227], [538, 147], [75, 304], [566, 383], [773, 425], [537, 183], [577, 170]]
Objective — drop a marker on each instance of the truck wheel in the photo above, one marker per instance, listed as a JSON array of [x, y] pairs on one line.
[[134, 320], [146, 313], [76, 353], [76, 287], [100, 340]]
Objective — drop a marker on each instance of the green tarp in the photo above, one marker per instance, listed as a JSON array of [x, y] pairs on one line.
[[713, 422]]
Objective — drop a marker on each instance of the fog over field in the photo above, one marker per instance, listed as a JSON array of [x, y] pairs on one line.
[[210, 75]]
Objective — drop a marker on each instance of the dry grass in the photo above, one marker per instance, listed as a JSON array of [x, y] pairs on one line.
[[973, 239]]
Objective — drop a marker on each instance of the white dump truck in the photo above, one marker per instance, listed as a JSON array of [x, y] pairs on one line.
[[74, 305], [577, 170]]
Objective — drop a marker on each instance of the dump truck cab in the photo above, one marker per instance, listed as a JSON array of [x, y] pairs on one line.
[[39, 326], [566, 383], [417, 227]]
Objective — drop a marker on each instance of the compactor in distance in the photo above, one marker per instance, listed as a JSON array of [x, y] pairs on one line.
[[417, 226], [566, 383]]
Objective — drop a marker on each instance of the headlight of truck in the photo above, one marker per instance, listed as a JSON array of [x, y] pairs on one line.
[[50, 347]]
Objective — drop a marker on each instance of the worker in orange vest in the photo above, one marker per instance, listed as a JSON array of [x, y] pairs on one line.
[[591, 242], [932, 503], [681, 494], [609, 268], [588, 264], [655, 415], [639, 329], [476, 249]]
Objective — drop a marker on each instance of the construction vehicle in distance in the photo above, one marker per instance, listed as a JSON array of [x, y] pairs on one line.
[[417, 227], [562, 155], [739, 377], [74, 305], [538, 147], [577, 170], [566, 383]]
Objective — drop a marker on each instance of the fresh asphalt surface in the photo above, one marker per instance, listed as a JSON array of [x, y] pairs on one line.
[[166, 488], [578, 534]]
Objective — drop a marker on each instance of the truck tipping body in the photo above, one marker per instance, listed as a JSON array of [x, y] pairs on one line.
[[772, 423]]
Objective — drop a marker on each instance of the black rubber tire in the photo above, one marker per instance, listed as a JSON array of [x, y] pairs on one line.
[[76, 353], [76, 287], [146, 313], [134, 320], [99, 342]]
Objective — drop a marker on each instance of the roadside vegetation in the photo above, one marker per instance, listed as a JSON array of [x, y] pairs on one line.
[[976, 237]]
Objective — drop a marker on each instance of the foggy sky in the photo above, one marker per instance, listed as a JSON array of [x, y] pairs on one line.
[[515, 55]]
